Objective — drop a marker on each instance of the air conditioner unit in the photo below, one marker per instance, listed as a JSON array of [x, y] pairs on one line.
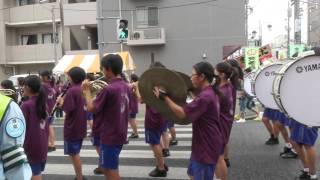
[[137, 35]]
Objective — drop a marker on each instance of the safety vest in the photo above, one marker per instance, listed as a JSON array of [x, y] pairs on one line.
[[4, 104]]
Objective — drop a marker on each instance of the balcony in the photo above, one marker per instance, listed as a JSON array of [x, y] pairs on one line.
[[145, 37], [32, 54], [29, 15], [80, 14]]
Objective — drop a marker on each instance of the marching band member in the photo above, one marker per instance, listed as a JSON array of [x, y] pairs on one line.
[[237, 85], [21, 96], [227, 79], [155, 124], [303, 140], [112, 104], [75, 124], [134, 105], [48, 86], [281, 122], [204, 112], [37, 126], [13, 161]]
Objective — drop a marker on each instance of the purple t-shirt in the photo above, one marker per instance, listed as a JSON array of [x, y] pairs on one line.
[[37, 130], [113, 104], [97, 122], [75, 124], [226, 111], [154, 120], [133, 103], [204, 112], [51, 96]]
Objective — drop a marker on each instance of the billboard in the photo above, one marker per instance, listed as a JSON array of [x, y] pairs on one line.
[[251, 58]]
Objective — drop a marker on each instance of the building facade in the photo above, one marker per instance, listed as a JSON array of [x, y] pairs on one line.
[[314, 23], [26, 33], [177, 33]]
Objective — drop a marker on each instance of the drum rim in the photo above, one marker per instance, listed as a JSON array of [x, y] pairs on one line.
[[289, 66]]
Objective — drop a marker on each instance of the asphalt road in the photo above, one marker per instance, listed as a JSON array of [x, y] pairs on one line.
[[250, 158]]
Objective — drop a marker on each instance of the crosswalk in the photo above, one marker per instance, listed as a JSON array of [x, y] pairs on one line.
[[136, 158]]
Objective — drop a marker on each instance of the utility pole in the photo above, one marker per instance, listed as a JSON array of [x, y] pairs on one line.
[[54, 34], [297, 22], [61, 26], [246, 20], [288, 30]]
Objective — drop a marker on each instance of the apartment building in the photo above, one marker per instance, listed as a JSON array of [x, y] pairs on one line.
[[26, 33], [314, 23], [178, 33]]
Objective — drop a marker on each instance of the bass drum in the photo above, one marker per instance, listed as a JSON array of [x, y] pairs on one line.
[[248, 83], [296, 90], [263, 82]]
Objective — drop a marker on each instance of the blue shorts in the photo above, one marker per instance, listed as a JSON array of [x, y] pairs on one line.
[[109, 157], [200, 171], [283, 119], [132, 115], [270, 114], [37, 168], [51, 120], [72, 147], [302, 134], [152, 137], [89, 116], [170, 124], [95, 141]]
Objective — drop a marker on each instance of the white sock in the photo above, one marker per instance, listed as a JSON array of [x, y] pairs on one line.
[[306, 169], [288, 145], [314, 176], [292, 149]]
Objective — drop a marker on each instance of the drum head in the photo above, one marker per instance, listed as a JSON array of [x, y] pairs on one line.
[[248, 83], [300, 90], [263, 85]]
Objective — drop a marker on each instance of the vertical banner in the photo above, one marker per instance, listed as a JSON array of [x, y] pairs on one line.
[[296, 50], [251, 58]]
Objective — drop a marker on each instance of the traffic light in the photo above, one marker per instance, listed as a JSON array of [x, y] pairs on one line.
[[122, 29]]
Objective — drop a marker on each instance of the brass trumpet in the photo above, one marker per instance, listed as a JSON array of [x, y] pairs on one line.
[[7, 92]]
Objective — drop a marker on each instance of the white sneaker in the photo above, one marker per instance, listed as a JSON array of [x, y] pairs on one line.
[[241, 121]]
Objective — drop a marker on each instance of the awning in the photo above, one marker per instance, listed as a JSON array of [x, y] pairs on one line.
[[90, 63]]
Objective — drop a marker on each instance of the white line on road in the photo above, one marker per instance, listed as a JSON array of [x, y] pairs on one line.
[[131, 143], [125, 171], [144, 154]]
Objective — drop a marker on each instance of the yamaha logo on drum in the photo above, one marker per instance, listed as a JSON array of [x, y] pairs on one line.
[[308, 68], [299, 69], [269, 73]]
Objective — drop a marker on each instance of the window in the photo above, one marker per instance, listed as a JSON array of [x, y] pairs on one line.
[[29, 39], [47, 38], [26, 2], [147, 16]]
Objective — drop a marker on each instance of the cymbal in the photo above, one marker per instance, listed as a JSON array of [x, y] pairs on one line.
[[169, 81]]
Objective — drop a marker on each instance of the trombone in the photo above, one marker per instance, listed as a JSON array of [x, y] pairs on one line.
[[7, 92]]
